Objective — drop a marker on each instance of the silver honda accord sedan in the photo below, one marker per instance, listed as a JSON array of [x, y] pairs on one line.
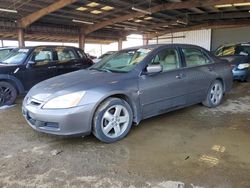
[[129, 86]]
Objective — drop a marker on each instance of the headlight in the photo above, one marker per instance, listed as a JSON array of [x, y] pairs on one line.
[[243, 65], [65, 101]]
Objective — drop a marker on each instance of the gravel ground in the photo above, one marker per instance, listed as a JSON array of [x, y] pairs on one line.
[[193, 147]]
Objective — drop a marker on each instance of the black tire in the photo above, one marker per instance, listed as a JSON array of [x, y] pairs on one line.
[[8, 93], [210, 101], [100, 122], [248, 78]]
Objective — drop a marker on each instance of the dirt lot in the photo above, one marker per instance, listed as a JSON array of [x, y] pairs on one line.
[[192, 147]]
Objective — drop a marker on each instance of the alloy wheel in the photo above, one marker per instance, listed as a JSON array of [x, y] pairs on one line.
[[115, 121], [5, 95], [216, 93]]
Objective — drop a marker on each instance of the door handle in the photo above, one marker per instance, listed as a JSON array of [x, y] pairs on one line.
[[77, 65], [180, 76], [52, 67], [210, 68]]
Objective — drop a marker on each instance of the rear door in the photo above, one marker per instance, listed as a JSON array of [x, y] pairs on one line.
[[166, 90], [68, 60], [85, 61], [199, 71]]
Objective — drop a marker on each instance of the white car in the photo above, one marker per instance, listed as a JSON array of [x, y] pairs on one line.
[[107, 54]]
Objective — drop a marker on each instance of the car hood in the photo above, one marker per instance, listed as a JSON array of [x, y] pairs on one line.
[[7, 68], [2, 65], [81, 80]]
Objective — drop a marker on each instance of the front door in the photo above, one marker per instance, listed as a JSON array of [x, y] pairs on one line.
[[42, 69], [164, 91]]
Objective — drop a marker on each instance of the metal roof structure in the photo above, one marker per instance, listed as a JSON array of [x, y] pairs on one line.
[[105, 21]]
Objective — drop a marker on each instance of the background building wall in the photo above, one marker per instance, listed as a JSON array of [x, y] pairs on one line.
[[230, 35], [198, 37]]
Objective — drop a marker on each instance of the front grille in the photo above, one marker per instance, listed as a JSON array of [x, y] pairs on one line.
[[33, 121], [41, 124]]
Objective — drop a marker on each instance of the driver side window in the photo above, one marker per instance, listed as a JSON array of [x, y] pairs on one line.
[[42, 56], [168, 58]]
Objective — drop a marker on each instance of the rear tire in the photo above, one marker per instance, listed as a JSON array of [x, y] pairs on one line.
[[214, 95], [8, 93], [112, 120]]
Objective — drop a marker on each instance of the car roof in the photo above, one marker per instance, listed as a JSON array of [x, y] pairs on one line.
[[47, 46], [234, 44], [161, 45]]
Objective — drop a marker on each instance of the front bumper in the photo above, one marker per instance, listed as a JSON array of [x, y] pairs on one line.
[[65, 122], [241, 74]]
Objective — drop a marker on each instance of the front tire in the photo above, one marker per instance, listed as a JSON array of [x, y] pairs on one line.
[[112, 120], [248, 77], [8, 93], [214, 95]]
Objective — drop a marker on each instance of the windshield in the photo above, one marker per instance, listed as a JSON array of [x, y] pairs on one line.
[[243, 49], [123, 61], [16, 56]]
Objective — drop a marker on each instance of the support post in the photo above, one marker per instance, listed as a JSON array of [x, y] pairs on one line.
[[101, 48], [2, 43], [21, 37], [81, 39], [145, 40], [120, 44]]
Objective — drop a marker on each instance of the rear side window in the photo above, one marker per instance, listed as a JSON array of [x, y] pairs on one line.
[[195, 57], [65, 55], [81, 54]]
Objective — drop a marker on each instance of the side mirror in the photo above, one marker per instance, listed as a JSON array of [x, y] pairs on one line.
[[153, 69], [30, 64]]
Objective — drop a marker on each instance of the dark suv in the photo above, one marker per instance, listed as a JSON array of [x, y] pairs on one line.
[[238, 56], [22, 68]]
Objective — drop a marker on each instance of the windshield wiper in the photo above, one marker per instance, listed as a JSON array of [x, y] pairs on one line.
[[114, 71], [105, 70]]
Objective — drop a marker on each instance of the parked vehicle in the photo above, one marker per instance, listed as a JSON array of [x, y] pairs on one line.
[[132, 85], [22, 68], [238, 56], [4, 51], [103, 56]]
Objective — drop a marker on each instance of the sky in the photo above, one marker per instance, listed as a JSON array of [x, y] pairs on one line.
[[92, 49]]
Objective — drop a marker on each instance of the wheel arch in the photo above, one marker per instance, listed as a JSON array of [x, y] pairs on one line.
[[14, 81], [134, 107], [219, 79], [222, 82]]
